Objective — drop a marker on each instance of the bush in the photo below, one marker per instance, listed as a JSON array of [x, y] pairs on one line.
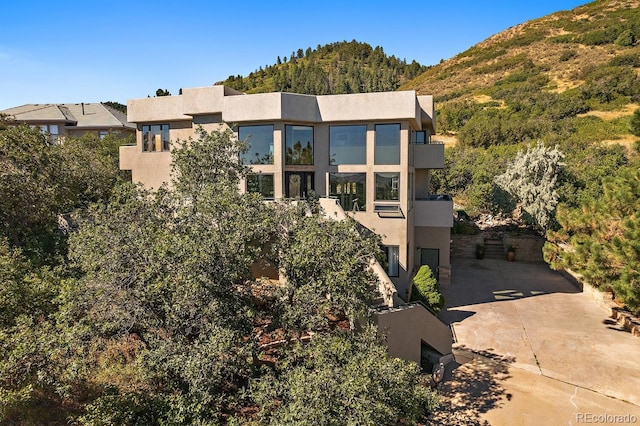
[[626, 38], [568, 54], [427, 290], [635, 123]]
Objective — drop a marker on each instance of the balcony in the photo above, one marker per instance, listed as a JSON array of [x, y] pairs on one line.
[[428, 156], [434, 211]]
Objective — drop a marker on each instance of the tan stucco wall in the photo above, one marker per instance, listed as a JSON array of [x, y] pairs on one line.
[[405, 328], [437, 238]]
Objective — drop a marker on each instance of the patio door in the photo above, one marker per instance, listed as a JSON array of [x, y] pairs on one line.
[[430, 257], [298, 184]]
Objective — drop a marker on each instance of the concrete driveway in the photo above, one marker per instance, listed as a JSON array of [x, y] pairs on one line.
[[532, 349]]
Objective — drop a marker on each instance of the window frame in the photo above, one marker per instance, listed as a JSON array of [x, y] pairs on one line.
[[393, 268], [148, 141], [261, 184], [379, 157], [247, 138], [361, 200], [287, 157], [377, 197], [334, 138]]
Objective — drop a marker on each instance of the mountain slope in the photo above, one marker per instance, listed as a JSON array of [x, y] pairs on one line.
[[573, 76], [561, 46], [343, 67]]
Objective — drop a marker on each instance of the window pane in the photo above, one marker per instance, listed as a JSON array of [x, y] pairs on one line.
[[261, 184], [155, 137], [393, 260], [348, 145], [53, 129], [165, 137], [299, 145], [421, 137], [260, 140], [387, 144], [349, 189], [388, 186]]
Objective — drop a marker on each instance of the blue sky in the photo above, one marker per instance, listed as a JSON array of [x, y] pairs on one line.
[[93, 51]]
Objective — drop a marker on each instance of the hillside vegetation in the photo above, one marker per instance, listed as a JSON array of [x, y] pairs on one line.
[[342, 67], [545, 124]]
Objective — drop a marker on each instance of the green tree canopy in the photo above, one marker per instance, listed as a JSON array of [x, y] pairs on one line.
[[599, 239]]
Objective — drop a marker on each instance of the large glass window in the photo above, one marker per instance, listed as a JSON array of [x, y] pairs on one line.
[[261, 184], [387, 144], [350, 189], [393, 260], [388, 186], [348, 144], [260, 141], [299, 145], [155, 137]]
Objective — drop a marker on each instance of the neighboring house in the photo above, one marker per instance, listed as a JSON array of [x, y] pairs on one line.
[[367, 155], [60, 120]]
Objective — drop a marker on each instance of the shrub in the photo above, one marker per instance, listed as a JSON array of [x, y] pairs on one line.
[[568, 54], [626, 38], [625, 60], [635, 123], [427, 290]]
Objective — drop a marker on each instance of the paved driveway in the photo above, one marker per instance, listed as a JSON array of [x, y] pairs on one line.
[[536, 347]]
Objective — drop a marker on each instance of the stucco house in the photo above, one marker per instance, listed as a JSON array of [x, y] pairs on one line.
[[366, 155], [60, 120]]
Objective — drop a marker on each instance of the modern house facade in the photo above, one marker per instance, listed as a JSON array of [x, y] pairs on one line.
[[371, 153], [60, 120]]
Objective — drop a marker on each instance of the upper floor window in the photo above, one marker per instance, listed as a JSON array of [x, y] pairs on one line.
[[299, 144], [421, 137], [387, 186], [387, 149], [261, 184], [260, 141], [350, 189], [348, 144], [155, 137]]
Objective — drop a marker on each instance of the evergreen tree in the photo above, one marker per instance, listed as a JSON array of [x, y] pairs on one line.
[[532, 178]]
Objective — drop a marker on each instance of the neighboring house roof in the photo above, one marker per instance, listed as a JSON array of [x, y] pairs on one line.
[[81, 116]]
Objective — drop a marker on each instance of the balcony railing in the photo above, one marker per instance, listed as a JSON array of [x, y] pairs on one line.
[[435, 210], [428, 156]]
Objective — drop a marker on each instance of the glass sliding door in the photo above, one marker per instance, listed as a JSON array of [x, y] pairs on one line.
[[298, 184]]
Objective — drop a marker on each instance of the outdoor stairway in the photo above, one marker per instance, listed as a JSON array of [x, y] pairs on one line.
[[494, 248]]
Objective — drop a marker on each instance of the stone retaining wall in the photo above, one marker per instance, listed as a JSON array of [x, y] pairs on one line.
[[528, 247], [605, 300]]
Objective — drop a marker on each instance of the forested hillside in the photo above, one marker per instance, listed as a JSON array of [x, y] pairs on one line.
[[342, 67]]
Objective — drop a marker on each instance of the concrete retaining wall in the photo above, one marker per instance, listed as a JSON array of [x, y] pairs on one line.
[[605, 300]]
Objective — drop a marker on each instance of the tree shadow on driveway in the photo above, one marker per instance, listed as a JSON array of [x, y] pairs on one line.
[[472, 386]]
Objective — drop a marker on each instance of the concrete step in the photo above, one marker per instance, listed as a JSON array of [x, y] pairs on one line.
[[494, 249]]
